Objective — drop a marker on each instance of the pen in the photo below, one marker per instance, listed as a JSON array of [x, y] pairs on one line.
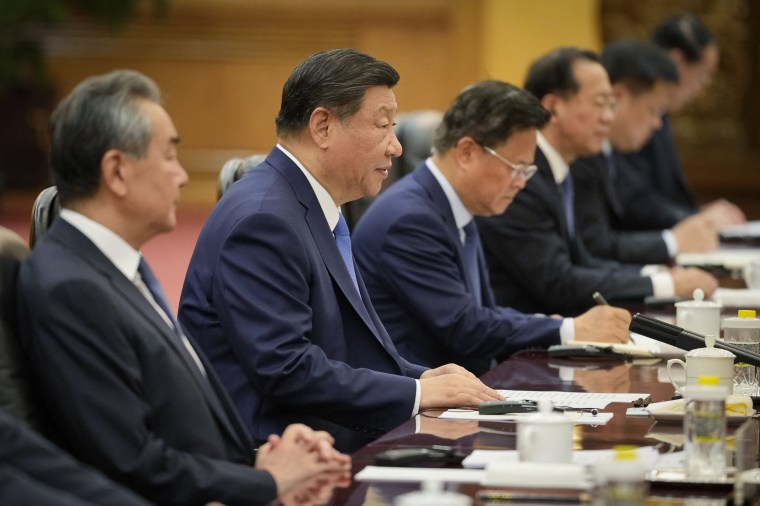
[[601, 301]]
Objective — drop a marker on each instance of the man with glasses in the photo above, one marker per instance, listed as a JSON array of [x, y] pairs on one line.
[[643, 79], [536, 258], [418, 249]]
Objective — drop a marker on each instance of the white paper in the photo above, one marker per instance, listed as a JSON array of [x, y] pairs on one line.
[[737, 297], [576, 400], [419, 474], [725, 257], [751, 229], [479, 459], [576, 417]]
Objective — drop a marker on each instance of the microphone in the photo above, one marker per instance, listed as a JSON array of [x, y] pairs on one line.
[[685, 339]]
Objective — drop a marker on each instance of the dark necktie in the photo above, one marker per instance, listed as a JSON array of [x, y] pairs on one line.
[[343, 240], [471, 260], [154, 287], [149, 281], [566, 188]]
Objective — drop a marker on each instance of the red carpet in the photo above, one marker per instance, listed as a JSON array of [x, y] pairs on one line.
[[168, 254]]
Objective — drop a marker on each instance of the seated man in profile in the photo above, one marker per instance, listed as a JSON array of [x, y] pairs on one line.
[[124, 384], [418, 249], [272, 289], [536, 258], [643, 78]]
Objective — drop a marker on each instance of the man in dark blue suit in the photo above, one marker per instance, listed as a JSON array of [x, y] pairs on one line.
[[536, 259], [413, 245], [122, 382], [654, 190], [272, 291], [643, 78]]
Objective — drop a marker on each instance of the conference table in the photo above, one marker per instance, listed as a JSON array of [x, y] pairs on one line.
[[535, 370]]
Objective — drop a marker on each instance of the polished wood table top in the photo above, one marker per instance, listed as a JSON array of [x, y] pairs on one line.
[[534, 370]]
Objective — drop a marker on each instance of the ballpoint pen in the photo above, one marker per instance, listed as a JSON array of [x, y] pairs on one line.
[[601, 301]]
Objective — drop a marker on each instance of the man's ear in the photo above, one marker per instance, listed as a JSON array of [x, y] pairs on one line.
[[465, 151], [115, 168], [550, 102], [620, 91], [320, 126]]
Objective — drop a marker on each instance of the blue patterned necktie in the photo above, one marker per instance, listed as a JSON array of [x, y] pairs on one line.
[[343, 240], [471, 260], [566, 188]]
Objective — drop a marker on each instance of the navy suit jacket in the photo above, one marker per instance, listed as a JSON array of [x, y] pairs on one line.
[[536, 265], [124, 395], [34, 471], [274, 308], [652, 186], [599, 214], [410, 254]]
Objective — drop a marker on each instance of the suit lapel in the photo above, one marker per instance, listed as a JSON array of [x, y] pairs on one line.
[[323, 238], [427, 180], [550, 192], [74, 240]]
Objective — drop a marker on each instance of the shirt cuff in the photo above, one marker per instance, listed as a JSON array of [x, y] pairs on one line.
[[417, 395], [662, 285], [670, 243], [567, 330]]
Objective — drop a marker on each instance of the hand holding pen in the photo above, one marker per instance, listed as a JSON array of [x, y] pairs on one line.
[[601, 301]]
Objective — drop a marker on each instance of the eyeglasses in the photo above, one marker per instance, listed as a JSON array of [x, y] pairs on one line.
[[518, 169]]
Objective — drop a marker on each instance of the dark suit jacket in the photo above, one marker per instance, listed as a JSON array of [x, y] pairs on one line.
[[652, 186], [536, 266], [34, 471], [598, 218], [124, 397], [274, 308], [408, 249]]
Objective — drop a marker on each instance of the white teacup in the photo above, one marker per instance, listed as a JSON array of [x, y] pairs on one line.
[[545, 437], [700, 316], [709, 361]]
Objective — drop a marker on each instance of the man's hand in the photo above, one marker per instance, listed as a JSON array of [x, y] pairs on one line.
[[299, 455], [603, 323], [696, 233], [721, 212], [688, 279], [451, 386]]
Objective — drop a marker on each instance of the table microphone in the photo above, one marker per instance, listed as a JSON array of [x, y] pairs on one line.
[[685, 339]]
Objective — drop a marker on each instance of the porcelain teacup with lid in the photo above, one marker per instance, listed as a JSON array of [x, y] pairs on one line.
[[708, 361], [546, 436], [699, 315]]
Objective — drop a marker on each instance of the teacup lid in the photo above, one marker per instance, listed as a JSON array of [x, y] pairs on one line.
[[698, 301], [710, 351]]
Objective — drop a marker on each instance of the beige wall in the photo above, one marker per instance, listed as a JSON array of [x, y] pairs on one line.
[[222, 63]]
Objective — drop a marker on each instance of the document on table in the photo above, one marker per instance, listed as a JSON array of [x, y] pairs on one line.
[[574, 416], [572, 400], [479, 459], [576, 400], [727, 258], [737, 297]]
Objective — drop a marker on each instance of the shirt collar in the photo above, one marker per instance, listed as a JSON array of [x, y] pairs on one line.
[[606, 148], [116, 249], [557, 164], [326, 202], [461, 215]]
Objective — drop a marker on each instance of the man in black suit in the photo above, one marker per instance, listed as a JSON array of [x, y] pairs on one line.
[[34, 471], [123, 382], [643, 78], [654, 191], [535, 256]]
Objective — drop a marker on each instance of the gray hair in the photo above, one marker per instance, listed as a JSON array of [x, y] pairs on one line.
[[100, 114]]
